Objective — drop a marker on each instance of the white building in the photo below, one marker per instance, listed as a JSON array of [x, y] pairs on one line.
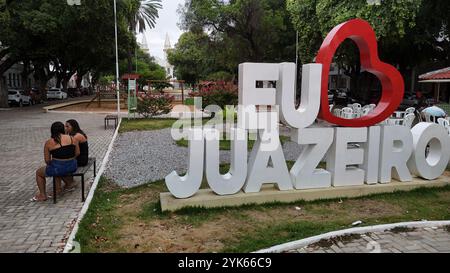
[[13, 77], [164, 62]]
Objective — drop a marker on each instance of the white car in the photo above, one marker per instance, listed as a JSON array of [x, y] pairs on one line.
[[18, 97], [56, 93]]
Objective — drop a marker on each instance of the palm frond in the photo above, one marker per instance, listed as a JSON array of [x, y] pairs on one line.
[[147, 14]]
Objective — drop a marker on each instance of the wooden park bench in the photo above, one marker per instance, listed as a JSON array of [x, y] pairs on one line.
[[80, 172]]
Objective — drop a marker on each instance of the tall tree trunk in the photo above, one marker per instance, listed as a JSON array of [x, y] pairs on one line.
[[3, 93], [79, 80], [413, 79], [64, 82], [42, 75], [58, 80], [5, 64], [130, 60], [25, 73]]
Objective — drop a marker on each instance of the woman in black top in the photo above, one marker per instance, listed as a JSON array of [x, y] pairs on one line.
[[73, 129], [60, 153]]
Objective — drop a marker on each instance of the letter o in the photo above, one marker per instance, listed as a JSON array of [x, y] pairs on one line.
[[435, 137]]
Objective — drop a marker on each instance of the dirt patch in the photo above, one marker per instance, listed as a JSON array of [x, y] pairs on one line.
[[169, 235], [171, 232], [349, 210], [174, 232], [345, 239], [402, 229]]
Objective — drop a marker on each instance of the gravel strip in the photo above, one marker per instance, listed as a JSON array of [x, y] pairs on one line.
[[148, 156]]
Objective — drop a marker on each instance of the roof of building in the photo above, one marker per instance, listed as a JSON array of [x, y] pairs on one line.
[[441, 74]]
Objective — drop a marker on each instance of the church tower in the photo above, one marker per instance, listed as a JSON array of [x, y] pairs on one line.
[[168, 67], [144, 45]]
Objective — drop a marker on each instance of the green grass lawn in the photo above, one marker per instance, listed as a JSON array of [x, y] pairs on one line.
[[130, 220], [148, 124]]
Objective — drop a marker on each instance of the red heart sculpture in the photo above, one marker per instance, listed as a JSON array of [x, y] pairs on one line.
[[391, 80]]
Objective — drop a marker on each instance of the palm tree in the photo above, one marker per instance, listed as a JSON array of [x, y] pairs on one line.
[[140, 14]]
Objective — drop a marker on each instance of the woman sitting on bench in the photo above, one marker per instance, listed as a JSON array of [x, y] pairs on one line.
[[73, 129], [60, 153]]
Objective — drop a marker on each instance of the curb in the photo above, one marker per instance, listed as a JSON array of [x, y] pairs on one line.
[[360, 230], [86, 112], [53, 108], [64, 104], [90, 196]]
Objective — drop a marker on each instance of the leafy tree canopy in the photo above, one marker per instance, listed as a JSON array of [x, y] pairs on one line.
[[404, 28]]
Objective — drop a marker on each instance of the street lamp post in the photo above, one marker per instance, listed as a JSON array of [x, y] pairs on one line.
[[117, 60]]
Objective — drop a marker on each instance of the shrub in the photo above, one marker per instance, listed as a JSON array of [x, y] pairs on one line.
[[160, 86], [218, 93], [220, 76], [150, 105]]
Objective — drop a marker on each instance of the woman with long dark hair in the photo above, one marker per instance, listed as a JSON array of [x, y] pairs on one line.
[[73, 129], [60, 152]]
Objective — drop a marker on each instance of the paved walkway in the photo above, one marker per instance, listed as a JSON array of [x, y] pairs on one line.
[[37, 227], [400, 240]]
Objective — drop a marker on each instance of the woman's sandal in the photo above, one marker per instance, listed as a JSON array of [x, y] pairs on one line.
[[35, 199]]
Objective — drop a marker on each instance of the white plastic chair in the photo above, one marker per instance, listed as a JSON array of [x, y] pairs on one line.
[[408, 120], [347, 113], [399, 114], [429, 117], [356, 106], [410, 110], [357, 114], [395, 121], [347, 110], [366, 110], [337, 112], [445, 123]]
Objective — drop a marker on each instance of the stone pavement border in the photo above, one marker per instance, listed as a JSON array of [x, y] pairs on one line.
[[70, 242], [359, 230]]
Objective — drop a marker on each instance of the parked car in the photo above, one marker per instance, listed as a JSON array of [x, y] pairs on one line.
[[56, 93], [18, 97]]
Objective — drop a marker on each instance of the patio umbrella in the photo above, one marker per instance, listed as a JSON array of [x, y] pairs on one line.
[[434, 111]]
